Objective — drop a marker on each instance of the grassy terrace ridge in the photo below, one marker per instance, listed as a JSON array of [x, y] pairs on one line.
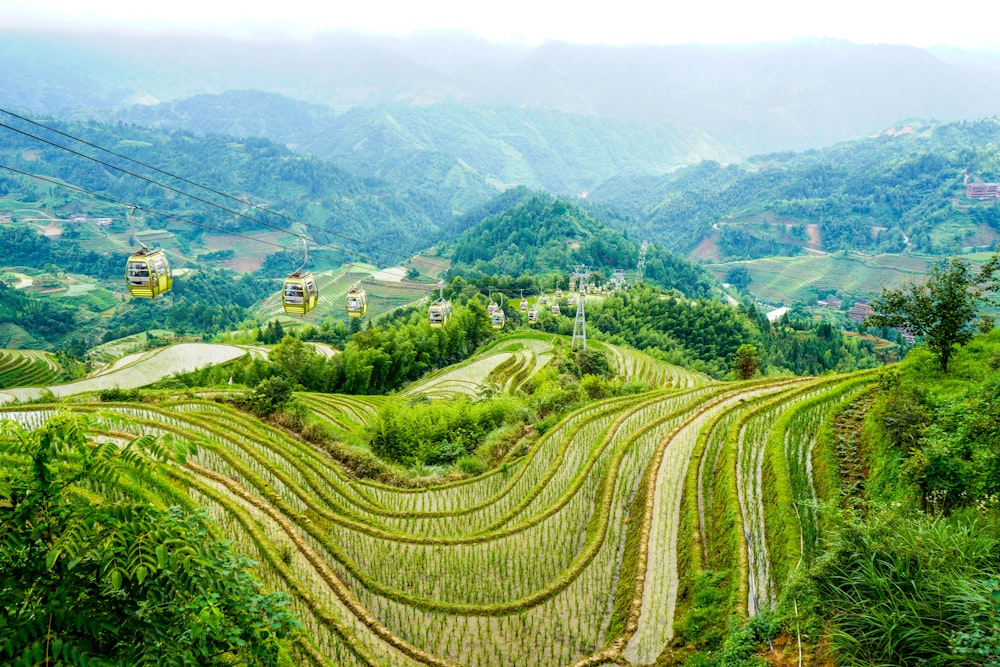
[[28, 368], [583, 525], [511, 360], [137, 370]]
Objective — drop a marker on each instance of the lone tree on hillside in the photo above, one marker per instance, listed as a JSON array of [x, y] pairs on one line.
[[940, 310], [746, 362]]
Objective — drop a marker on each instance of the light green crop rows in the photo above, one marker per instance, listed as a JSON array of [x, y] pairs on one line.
[[27, 368], [576, 553]]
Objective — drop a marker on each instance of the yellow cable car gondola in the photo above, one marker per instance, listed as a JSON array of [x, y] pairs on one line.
[[533, 315], [299, 293], [147, 273], [524, 303], [543, 300], [440, 311], [495, 310], [571, 301], [555, 307], [357, 302]]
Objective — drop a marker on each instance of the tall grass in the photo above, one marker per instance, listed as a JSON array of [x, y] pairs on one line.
[[901, 588]]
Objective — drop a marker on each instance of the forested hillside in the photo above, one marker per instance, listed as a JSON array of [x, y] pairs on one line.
[[329, 199], [531, 234], [901, 190], [458, 154]]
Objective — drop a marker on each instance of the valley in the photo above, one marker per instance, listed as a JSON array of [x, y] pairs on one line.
[[472, 355]]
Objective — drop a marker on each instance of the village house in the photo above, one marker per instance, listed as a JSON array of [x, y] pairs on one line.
[[861, 309], [830, 302]]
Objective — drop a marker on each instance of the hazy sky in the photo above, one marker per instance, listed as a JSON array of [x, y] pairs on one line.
[[967, 24]]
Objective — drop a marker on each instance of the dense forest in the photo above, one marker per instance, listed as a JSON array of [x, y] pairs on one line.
[[524, 233]]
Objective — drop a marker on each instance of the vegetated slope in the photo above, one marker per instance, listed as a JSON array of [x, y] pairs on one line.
[[28, 368], [513, 360], [531, 233], [332, 201], [903, 189], [577, 526], [462, 155]]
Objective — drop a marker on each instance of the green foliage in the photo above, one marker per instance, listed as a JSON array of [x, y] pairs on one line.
[[702, 335], [745, 361], [113, 580], [378, 359], [701, 626], [742, 644], [43, 319], [940, 310], [270, 394], [438, 432], [945, 429], [908, 589], [739, 277], [117, 395]]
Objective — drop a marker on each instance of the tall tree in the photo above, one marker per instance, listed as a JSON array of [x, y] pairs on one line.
[[746, 362], [940, 310]]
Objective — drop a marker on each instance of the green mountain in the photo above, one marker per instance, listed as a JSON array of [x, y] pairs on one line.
[[459, 153], [538, 234], [385, 221], [903, 190]]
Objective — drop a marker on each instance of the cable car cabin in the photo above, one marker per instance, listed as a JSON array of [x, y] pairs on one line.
[[571, 301], [524, 305], [543, 300], [299, 293], [497, 319], [357, 302], [558, 293], [555, 308], [439, 313], [492, 308], [533, 316], [147, 274]]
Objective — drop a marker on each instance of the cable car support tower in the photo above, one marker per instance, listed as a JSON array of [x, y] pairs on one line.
[[582, 274], [641, 268]]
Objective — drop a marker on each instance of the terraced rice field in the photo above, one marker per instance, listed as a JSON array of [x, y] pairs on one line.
[[137, 370], [28, 368], [513, 360], [579, 553]]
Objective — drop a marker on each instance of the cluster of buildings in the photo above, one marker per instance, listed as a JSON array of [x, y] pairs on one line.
[[100, 223], [981, 191], [861, 309]]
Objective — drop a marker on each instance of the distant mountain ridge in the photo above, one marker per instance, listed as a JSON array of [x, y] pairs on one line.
[[785, 96], [903, 190], [465, 154]]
